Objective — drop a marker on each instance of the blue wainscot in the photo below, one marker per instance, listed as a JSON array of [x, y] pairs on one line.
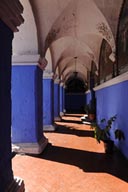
[[112, 98]]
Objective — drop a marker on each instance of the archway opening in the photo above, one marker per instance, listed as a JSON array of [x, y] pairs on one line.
[[75, 95]]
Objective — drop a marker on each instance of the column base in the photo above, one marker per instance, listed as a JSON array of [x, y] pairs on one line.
[[17, 185], [30, 148], [61, 114], [48, 128], [57, 119]]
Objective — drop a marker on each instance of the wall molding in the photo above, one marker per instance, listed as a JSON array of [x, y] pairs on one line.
[[121, 78]]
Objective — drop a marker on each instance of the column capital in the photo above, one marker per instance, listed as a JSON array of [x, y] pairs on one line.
[[61, 84], [42, 63], [57, 81], [112, 57], [47, 75]]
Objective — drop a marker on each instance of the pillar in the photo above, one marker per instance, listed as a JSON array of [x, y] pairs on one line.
[[48, 102], [27, 134], [64, 110], [56, 100], [61, 100], [7, 181], [6, 174]]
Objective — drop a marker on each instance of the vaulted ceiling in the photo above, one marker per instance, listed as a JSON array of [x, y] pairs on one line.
[[67, 33]]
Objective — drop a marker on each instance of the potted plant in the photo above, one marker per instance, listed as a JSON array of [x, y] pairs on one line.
[[90, 110], [102, 133]]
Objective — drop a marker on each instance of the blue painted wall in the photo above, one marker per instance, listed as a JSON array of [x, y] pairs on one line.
[[114, 100], [75, 102], [26, 104], [47, 102]]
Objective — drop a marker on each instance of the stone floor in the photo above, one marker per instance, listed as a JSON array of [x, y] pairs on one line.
[[72, 162]]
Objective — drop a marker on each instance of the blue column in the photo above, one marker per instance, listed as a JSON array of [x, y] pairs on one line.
[[64, 110], [6, 174], [48, 113], [88, 96], [56, 101], [27, 109], [61, 99]]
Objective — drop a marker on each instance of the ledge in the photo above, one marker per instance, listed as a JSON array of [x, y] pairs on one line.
[[121, 78]]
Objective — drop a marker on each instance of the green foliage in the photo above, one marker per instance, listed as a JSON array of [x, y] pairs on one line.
[[101, 134], [119, 134]]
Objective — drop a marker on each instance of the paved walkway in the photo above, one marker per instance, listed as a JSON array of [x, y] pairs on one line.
[[72, 162]]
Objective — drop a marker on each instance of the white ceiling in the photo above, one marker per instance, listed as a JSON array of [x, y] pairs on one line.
[[62, 30]]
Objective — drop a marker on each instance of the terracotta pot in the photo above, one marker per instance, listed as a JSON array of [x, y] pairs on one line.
[[91, 116]]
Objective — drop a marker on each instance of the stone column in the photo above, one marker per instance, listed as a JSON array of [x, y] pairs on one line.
[[61, 99], [6, 174], [48, 102], [56, 100], [7, 181], [27, 134], [64, 110]]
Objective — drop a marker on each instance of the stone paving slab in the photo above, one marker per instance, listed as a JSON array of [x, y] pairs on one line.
[[72, 162]]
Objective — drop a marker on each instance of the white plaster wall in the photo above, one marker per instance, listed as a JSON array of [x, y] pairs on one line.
[[49, 59], [73, 24], [111, 10], [25, 41]]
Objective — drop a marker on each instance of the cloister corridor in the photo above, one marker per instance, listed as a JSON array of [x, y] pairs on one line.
[[72, 162]]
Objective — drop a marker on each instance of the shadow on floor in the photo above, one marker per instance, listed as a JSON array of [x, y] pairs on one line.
[[114, 164], [71, 121], [73, 114], [72, 131]]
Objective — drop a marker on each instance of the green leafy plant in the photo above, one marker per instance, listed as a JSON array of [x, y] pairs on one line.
[[102, 130], [119, 134]]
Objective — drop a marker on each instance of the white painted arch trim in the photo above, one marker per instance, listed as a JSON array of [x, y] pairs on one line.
[[121, 78]]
